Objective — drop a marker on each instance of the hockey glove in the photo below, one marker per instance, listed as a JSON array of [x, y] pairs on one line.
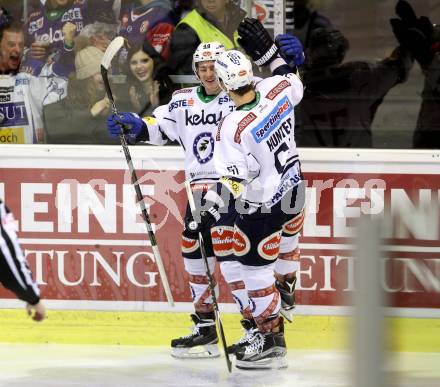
[[291, 49], [207, 220], [257, 42], [133, 126]]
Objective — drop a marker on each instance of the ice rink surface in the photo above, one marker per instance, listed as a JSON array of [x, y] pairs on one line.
[[132, 366]]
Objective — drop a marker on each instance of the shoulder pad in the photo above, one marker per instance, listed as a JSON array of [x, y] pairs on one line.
[[183, 91]]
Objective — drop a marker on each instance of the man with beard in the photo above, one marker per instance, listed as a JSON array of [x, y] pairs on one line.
[[22, 96]]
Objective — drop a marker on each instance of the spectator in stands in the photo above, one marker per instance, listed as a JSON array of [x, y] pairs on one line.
[[148, 82], [14, 8], [11, 44], [182, 8], [341, 99], [97, 34], [211, 20], [79, 118], [43, 30], [22, 96], [305, 19], [422, 38], [151, 20]]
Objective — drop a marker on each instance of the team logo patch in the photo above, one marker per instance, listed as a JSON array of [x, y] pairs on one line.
[[242, 125], [272, 120], [188, 245], [277, 89], [222, 240], [233, 186], [295, 225], [203, 147], [269, 247], [242, 245]]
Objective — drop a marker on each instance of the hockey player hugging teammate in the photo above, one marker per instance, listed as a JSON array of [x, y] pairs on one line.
[[191, 118], [257, 160]]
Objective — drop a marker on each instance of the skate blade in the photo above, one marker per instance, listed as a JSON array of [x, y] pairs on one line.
[[199, 352], [287, 314], [274, 363]]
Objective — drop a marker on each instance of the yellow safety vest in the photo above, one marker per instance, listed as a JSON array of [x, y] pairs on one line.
[[208, 32]]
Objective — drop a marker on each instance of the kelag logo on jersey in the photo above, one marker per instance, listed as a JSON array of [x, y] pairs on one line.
[[14, 114], [203, 147], [273, 119], [203, 119]]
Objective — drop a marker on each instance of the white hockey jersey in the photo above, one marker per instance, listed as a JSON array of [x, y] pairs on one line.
[[191, 118], [256, 143], [22, 98]]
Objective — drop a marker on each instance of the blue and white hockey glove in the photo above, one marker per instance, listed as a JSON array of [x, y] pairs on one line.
[[132, 124], [291, 49]]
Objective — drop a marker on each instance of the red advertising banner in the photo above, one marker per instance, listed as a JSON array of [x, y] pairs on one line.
[[85, 240]]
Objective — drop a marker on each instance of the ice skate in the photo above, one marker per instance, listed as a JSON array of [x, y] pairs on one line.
[[250, 329], [266, 350], [200, 343], [287, 292]]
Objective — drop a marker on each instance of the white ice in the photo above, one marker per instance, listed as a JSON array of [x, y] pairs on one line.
[[132, 366]]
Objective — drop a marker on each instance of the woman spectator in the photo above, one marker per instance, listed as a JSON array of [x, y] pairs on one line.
[[79, 118], [147, 77]]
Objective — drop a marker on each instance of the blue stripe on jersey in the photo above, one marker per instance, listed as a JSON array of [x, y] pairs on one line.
[[272, 120]]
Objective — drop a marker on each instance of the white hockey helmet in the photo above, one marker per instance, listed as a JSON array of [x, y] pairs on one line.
[[208, 51], [234, 70]]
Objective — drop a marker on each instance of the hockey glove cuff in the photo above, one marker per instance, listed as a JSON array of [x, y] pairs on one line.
[[133, 126], [257, 42]]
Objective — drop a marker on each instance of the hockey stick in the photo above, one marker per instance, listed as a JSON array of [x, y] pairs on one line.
[[111, 51], [218, 321]]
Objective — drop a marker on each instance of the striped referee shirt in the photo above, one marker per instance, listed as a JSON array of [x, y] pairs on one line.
[[15, 274]]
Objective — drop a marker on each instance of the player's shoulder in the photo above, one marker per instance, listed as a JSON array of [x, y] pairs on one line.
[[234, 124], [185, 91], [271, 87]]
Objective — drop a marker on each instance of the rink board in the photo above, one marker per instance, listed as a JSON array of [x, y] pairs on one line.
[[84, 239]]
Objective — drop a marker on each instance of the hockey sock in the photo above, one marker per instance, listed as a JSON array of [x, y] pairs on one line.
[[231, 271], [198, 282], [264, 297]]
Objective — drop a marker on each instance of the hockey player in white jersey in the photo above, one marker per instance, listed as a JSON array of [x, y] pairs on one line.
[[257, 160], [191, 118]]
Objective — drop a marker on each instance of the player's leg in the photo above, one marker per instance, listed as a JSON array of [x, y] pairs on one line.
[[202, 342], [222, 236], [288, 262], [256, 245]]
